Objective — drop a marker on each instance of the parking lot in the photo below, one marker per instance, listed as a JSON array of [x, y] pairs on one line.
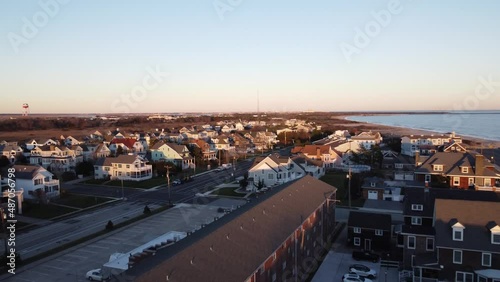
[[73, 264], [338, 260]]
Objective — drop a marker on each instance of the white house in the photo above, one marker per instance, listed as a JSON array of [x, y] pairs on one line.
[[58, 158], [367, 139], [170, 152], [273, 170], [36, 183], [412, 143], [324, 153], [70, 141], [124, 167], [10, 150]]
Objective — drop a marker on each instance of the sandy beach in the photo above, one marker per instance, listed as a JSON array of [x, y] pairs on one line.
[[401, 131]]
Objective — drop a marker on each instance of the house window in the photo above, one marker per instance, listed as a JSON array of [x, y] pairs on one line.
[[427, 178], [465, 170], [411, 242], [487, 182], [357, 241], [415, 220], [119, 166], [456, 181], [128, 166], [471, 180], [270, 176], [458, 234], [372, 184], [416, 207], [486, 260], [438, 167], [495, 238], [357, 230], [464, 276], [379, 232], [457, 256], [430, 244]]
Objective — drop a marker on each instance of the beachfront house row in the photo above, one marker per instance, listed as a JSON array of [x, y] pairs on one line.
[[410, 144], [171, 152], [123, 167], [463, 170]]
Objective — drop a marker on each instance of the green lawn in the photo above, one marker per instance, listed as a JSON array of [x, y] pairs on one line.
[[43, 211], [338, 179], [80, 201], [145, 184], [228, 192], [94, 181]]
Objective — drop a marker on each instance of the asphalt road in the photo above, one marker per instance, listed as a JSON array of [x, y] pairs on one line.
[[58, 233], [183, 193]]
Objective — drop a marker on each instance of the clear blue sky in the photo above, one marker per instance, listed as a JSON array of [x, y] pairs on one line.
[[91, 52]]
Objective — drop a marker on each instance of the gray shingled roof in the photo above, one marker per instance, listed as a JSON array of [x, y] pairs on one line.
[[452, 163], [474, 216], [369, 220], [26, 171], [253, 237]]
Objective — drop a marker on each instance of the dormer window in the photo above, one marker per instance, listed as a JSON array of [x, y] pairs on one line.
[[416, 207], [458, 230], [372, 184], [438, 167], [465, 170]]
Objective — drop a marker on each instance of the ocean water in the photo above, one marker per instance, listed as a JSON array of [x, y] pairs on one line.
[[476, 124]]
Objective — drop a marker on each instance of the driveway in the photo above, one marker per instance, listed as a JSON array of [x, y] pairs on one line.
[[338, 260]]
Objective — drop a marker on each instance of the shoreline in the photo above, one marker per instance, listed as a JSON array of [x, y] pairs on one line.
[[402, 130]]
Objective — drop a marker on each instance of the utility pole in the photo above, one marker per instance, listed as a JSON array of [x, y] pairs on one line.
[[123, 192], [168, 184]]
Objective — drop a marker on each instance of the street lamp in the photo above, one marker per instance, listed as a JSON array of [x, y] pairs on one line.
[[123, 192], [349, 176]]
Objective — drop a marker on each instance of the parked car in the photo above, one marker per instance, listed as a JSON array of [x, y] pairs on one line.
[[363, 270], [95, 275], [351, 277], [365, 255], [176, 182]]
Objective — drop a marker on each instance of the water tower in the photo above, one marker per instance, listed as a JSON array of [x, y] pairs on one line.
[[26, 109]]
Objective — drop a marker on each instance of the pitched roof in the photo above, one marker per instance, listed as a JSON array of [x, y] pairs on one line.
[[474, 216], [452, 163], [26, 171], [233, 247], [369, 220], [121, 159], [129, 142], [311, 150]]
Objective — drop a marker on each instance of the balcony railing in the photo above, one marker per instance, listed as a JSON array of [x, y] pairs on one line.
[[51, 183]]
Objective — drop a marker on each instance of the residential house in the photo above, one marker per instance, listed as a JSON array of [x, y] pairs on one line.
[[207, 152], [171, 152], [467, 240], [448, 235], [369, 231], [415, 143], [324, 153], [10, 150], [123, 167], [32, 144], [101, 151], [461, 170], [128, 145], [315, 168], [35, 183], [70, 141], [273, 170], [247, 245], [376, 188], [367, 139], [57, 158], [403, 167]]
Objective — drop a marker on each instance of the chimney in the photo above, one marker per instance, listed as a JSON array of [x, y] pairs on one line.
[[417, 158], [479, 165], [318, 153]]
